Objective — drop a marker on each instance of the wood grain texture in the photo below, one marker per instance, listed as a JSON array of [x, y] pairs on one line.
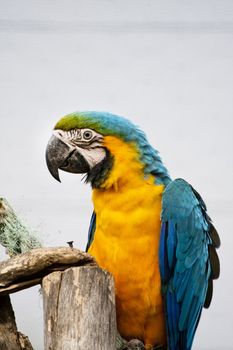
[[27, 269], [79, 309]]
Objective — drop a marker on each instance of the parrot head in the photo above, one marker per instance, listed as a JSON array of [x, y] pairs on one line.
[[93, 143]]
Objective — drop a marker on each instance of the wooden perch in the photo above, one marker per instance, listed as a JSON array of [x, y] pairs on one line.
[[28, 269], [79, 310], [79, 300], [79, 303]]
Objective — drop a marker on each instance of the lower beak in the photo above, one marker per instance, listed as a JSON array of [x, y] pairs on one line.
[[60, 156]]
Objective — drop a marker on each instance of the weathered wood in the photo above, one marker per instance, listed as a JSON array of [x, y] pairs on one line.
[[79, 303], [79, 309], [10, 338], [28, 269]]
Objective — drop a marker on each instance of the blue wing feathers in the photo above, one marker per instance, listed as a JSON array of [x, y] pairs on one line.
[[171, 247], [195, 314], [187, 261], [173, 311], [91, 231], [164, 268], [167, 252]]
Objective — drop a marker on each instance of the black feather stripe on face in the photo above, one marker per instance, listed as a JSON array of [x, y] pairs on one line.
[[99, 173]]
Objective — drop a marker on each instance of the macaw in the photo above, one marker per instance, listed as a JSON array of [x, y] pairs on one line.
[[153, 234]]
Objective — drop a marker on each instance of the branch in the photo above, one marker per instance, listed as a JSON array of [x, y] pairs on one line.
[[28, 269]]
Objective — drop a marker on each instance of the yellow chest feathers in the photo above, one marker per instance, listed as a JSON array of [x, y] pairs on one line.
[[127, 211], [128, 205], [126, 240], [127, 226]]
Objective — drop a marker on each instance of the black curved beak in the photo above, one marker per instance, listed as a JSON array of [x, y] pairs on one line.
[[60, 156]]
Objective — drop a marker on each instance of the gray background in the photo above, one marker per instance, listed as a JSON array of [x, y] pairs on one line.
[[167, 65]]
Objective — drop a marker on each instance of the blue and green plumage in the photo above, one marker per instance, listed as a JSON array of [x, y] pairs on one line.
[[187, 258], [185, 262], [110, 124]]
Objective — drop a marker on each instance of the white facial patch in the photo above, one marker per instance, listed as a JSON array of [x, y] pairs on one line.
[[93, 156], [86, 141]]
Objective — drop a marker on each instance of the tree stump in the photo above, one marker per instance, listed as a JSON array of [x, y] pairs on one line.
[[79, 309]]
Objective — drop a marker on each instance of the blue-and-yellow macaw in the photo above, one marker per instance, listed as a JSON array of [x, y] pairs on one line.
[[153, 234]]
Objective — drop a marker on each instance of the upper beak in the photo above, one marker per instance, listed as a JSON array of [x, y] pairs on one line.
[[59, 155]]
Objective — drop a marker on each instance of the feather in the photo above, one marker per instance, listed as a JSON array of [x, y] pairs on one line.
[[164, 266], [192, 239], [214, 262], [196, 313], [214, 236], [171, 244], [181, 287], [91, 231], [209, 294]]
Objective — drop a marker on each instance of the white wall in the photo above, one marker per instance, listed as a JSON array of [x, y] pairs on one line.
[[167, 65]]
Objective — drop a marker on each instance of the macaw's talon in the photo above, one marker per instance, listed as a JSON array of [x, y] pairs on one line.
[[135, 344]]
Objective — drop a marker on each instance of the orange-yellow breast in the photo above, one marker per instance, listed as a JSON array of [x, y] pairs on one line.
[[126, 243]]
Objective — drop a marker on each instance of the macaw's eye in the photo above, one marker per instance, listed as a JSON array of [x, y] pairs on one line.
[[87, 135]]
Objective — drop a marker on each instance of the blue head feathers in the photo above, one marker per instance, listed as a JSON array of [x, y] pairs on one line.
[[110, 124]]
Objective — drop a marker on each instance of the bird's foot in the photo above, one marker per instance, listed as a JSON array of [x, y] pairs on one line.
[[134, 344]]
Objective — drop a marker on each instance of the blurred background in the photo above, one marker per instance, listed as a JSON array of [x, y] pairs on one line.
[[166, 65]]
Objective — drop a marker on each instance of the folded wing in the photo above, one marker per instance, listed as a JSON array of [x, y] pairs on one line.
[[188, 261]]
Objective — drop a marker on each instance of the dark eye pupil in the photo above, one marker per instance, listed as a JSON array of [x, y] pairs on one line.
[[87, 135]]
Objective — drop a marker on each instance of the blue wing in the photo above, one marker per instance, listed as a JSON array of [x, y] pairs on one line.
[[188, 261], [91, 231]]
